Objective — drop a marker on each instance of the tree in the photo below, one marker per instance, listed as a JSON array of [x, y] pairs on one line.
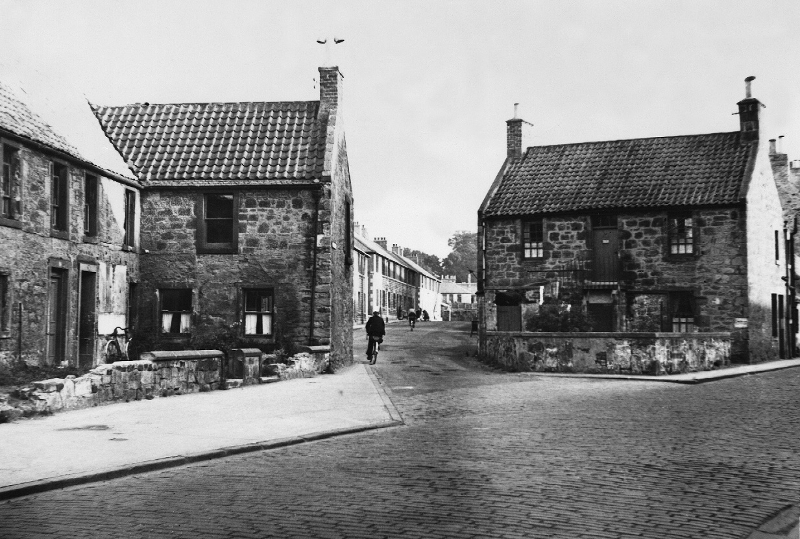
[[464, 255], [429, 262]]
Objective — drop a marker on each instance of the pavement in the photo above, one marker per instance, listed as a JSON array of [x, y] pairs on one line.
[[101, 443]]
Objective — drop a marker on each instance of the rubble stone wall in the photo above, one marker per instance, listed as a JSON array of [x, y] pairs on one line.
[[634, 353]]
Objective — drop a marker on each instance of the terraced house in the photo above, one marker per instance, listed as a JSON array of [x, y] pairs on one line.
[[69, 234], [247, 218], [245, 215], [674, 248]]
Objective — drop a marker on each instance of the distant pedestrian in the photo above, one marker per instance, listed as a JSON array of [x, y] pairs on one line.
[[375, 329], [419, 313], [412, 319], [425, 315]]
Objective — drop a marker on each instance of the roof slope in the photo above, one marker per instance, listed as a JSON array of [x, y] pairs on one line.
[[648, 172], [178, 144], [62, 122]]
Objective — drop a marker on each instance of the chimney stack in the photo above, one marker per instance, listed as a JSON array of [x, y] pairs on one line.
[[381, 242], [749, 110], [330, 90], [514, 136]]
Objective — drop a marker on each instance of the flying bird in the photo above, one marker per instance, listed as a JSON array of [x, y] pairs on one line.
[[322, 42], [337, 40]]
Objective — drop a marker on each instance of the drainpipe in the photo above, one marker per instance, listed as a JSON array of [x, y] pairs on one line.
[[19, 336], [317, 194]]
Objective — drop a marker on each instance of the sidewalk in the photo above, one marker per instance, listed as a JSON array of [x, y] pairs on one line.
[[104, 442], [687, 378]]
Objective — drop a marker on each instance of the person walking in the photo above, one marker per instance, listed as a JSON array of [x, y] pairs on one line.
[[375, 329]]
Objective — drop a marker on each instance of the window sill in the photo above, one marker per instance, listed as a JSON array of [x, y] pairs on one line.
[[90, 239], [11, 223], [61, 234], [214, 250], [680, 257], [5, 334]]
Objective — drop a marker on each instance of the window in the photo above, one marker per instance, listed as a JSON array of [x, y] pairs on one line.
[[5, 304], [532, 239], [59, 197], [130, 218], [682, 312], [176, 310], [217, 228], [258, 312], [90, 206], [777, 246], [9, 184], [681, 235]]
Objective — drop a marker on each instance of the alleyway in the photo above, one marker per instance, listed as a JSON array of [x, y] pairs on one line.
[[483, 454]]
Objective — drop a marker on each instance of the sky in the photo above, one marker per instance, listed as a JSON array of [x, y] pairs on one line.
[[428, 86]]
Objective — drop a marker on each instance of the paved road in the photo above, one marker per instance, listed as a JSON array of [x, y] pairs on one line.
[[483, 454]]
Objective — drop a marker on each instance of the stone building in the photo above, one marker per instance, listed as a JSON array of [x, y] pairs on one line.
[[675, 238], [247, 218], [69, 219], [393, 283]]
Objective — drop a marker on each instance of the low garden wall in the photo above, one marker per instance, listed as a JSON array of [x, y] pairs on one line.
[[163, 374], [634, 353]]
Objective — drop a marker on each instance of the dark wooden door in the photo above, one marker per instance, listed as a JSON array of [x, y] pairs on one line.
[[509, 318], [606, 245], [86, 319], [56, 318]]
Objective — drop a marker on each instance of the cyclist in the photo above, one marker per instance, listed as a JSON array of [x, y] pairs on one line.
[[412, 319], [375, 329]]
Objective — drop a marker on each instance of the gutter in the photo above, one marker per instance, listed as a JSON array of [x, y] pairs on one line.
[[61, 154]]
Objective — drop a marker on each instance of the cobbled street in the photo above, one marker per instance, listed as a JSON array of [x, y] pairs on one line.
[[483, 454]]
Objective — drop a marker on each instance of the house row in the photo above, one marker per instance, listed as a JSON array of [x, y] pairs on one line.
[[212, 221], [390, 283], [682, 241], [459, 300]]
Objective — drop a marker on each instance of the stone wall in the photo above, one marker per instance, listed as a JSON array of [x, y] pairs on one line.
[[716, 275], [158, 374], [275, 239], [29, 251], [634, 353]]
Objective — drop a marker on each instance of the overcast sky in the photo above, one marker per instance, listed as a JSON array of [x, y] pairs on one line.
[[428, 86]]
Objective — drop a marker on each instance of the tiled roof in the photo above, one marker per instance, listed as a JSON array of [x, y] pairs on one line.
[[17, 117], [218, 142], [649, 172]]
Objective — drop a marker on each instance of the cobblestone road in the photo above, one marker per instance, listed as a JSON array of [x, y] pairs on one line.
[[483, 454]]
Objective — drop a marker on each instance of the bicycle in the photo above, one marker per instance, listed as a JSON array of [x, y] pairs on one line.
[[117, 350], [376, 345]]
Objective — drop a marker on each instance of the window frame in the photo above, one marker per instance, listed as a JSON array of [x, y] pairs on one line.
[[59, 199], [271, 312], [10, 184], [532, 250], [202, 245], [91, 196], [685, 319], [162, 311], [129, 224], [676, 240]]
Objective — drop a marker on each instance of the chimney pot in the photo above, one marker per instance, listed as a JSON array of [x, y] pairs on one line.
[[747, 83], [772, 146], [780, 144]]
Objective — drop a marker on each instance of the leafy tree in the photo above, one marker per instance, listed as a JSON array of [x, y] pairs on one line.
[[555, 315], [464, 255], [429, 262]]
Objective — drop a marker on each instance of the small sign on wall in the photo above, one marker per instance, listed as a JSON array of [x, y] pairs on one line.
[[740, 323]]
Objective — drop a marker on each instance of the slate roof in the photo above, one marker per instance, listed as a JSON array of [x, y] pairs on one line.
[[636, 173], [62, 122], [198, 143]]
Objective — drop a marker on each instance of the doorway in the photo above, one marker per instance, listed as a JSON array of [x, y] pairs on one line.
[[86, 319], [606, 245], [56, 317]]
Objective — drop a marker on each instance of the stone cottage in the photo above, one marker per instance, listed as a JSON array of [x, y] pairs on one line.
[[69, 219], [247, 218], [674, 250]]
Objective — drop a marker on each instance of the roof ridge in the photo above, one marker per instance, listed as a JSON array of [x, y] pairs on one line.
[[206, 104], [632, 139]]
